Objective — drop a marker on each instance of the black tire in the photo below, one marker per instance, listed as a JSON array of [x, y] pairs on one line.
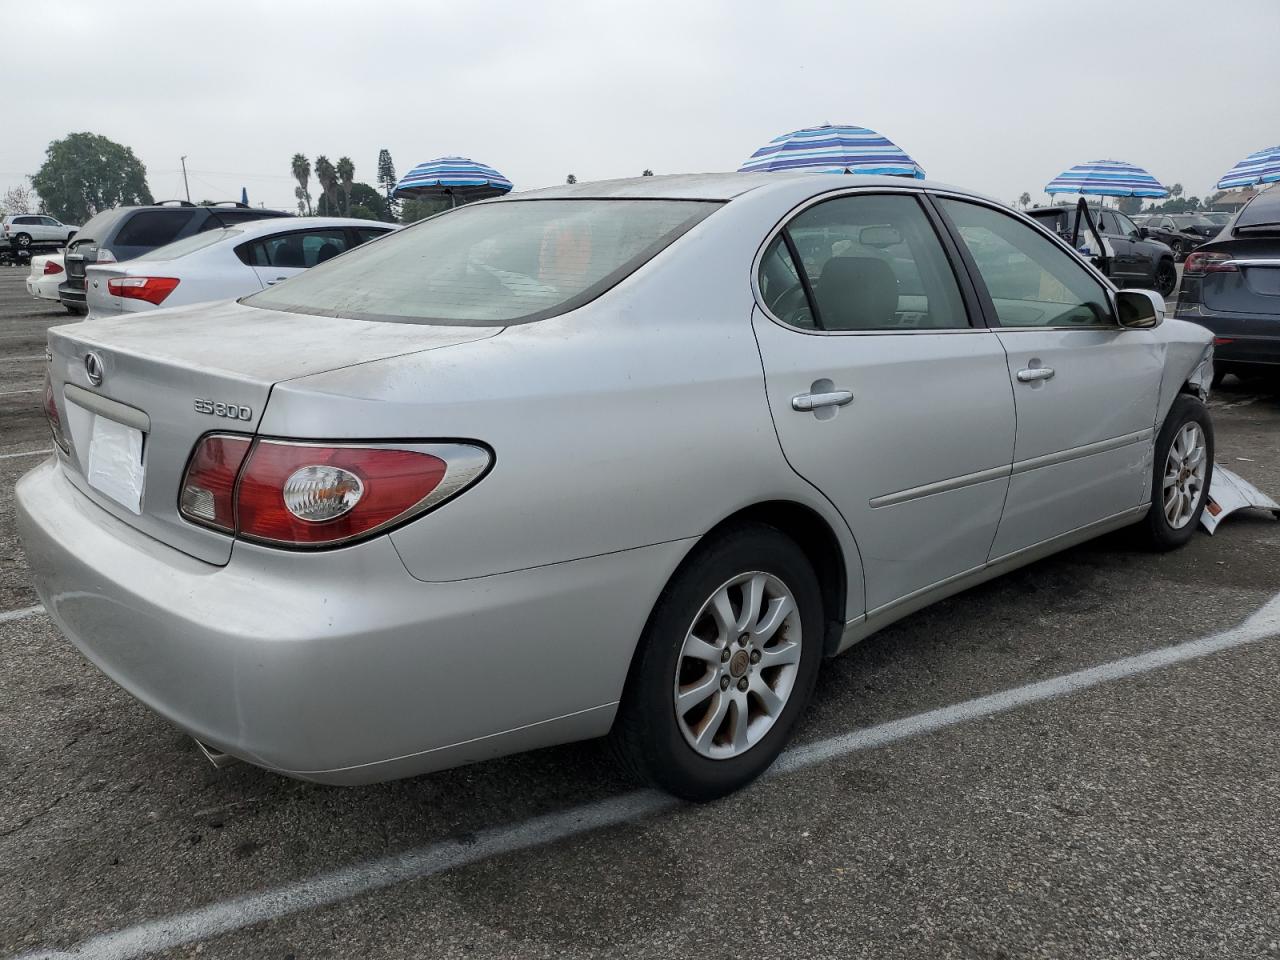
[[647, 736], [1158, 532], [1218, 376], [73, 310], [22, 240], [1166, 278]]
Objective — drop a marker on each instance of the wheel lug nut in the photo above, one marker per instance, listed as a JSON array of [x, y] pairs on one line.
[[742, 640], [755, 656], [724, 654], [724, 683], [742, 684]]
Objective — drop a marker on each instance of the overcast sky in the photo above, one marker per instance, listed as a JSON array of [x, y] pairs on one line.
[[996, 96]]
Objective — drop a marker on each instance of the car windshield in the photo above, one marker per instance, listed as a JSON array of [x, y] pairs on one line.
[[180, 248], [1190, 221], [491, 263]]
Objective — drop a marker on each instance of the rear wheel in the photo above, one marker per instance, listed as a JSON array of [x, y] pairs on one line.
[[22, 240], [1179, 250], [1182, 472], [1166, 278], [726, 666]]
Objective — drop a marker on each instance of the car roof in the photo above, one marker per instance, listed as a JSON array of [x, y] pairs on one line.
[[1262, 211], [249, 229], [708, 186]]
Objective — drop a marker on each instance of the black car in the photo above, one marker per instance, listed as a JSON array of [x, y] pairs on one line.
[[1114, 243], [1232, 286], [124, 233], [1183, 232]]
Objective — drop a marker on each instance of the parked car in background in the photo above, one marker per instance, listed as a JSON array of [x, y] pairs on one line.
[[1219, 217], [123, 233], [1139, 219], [46, 274], [25, 230], [605, 456], [1183, 232], [224, 263], [1129, 259], [1231, 285]]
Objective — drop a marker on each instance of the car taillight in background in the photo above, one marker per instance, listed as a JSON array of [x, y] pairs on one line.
[[51, 267], [1200, 263], [55, 421], [298, 494], [150, 289]]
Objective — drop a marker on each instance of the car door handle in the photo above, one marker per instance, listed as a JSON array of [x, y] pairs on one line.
[[1032, 374], [272, 283], [814, 401]]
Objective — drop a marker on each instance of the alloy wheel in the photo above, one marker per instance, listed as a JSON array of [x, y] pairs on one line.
[[1184, 475], [738, 665]]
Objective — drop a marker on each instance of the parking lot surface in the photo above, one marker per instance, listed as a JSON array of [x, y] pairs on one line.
[[1125, 812]]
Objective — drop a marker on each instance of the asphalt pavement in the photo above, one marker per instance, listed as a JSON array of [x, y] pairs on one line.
[[1128, 810]]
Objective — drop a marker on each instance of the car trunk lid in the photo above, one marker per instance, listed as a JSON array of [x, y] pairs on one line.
[[135, 393]]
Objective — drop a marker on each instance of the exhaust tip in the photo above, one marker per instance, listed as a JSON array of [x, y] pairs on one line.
[[215, 756]]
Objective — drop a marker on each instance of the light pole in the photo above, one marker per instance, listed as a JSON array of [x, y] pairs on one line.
[[185, 185]]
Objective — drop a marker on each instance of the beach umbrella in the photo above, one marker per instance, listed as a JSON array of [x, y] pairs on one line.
[[833, 148], [1260, 167], [458, 178], [1107, 178]]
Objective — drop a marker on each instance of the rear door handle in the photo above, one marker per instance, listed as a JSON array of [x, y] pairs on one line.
[[1032, 374], [814, 401], [272, 283]]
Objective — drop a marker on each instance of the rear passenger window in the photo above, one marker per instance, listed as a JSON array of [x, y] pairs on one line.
[[297, 250], [365, 234], [152, 228], [871, 262]]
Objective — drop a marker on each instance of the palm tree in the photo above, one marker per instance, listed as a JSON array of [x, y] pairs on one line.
[[302, 173], [1175, 191], [1025, 200], [347, 174], [302, 200], [571, 179], [328, 177]]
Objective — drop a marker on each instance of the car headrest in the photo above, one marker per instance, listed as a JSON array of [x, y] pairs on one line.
[[857, 293], [327, 251]]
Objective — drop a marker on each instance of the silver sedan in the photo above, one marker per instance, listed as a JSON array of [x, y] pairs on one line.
[[625, 458]]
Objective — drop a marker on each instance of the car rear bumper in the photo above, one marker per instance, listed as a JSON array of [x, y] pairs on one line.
[[1238, 338], [339, 666]]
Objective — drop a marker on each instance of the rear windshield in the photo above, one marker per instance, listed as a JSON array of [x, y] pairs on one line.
[[98, 226], [491, 263], [180, 248]]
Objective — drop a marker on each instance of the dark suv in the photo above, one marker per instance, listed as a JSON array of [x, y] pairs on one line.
[[1183, 232], [1127, 256], [123, 233]]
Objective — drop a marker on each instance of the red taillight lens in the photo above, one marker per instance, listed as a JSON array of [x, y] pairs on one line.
[[1199, 263], [208, 489], [51, 267], [51, 413], [150, 289], [1219, 341], [311, 495]]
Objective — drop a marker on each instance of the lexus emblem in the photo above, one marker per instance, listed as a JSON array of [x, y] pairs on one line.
[[94, 367]]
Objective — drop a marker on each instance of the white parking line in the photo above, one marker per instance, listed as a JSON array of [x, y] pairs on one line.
[[21, 613], [14, 393], [29, 357], [25, 453], [227, 916]]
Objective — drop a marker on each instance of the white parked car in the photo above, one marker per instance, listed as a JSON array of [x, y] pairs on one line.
[[47, 271], [24, 230], [223, 264]]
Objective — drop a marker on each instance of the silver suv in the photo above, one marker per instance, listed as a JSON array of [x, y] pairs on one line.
[[24, 230]]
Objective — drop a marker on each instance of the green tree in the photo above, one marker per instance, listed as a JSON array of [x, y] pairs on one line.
[[1175, 191], [346, 176], [327, 177], [373, 204], [419, 208], [301, 167], [1130, 205], [1025, 200], [85, 173], [571, 179], [387, 180], [647, 172]]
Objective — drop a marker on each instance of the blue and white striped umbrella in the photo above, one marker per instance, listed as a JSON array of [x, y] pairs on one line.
[[1107, 178], [1260, 167], [834, 148], [459, 178]]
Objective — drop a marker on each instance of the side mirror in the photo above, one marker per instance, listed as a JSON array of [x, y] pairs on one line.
[[1139, 309], [1143, 233]]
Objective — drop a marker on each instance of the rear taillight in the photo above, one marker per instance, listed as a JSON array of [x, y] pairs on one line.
[[208, 489], [55, 421], [294, 494], [51, 267], [1198, 264], [150, 289]]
